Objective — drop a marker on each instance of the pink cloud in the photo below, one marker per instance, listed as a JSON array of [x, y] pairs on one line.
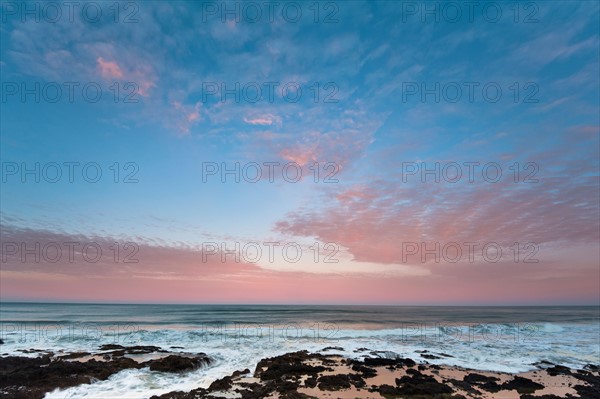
[[185, 116], [167, 274], [109, 69], [141, 75], [263, 120], [373, 221]]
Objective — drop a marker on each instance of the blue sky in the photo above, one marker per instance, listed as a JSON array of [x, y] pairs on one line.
[[370, 54]]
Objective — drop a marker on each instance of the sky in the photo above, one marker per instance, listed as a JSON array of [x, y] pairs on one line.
[[300, 152]]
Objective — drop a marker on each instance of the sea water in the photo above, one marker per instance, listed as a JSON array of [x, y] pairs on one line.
[[507, 339]]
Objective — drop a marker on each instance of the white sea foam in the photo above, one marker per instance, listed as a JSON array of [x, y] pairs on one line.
[[570, 345]]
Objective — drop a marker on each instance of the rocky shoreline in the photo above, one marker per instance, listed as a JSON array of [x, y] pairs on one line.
[[32, 377], [298, 375]]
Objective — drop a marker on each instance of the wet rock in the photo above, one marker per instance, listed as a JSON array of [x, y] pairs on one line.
[[428, 356], [543, 364], [288, 365], [239, 373], [32, 378], [74, 355], [332, 348], [111, 347], [198, 393], [176, 363], [222, 384]]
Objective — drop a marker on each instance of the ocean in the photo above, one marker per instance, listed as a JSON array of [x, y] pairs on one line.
[[506, 339]]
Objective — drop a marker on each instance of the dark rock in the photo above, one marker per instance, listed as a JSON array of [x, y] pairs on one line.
[[290, 364], [366, 372], [334, 382], [465, 386], [176, 363], [74, 355], [382, 361], [222, 384], [421, 384], [543, 363], [388, 391], [428, 356], [484, 382], [586, 391], [592, 389], [295, 395], [1, 342], [522, 385], [332, 348], [111, 347], [556, 370], [239, 373], [119, 351], [311, 382], [475, 378], [193, 394], [329, 362], [340, 381], [32, 378]]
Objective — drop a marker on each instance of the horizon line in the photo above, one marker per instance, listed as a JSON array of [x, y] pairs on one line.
[[38, 302]]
